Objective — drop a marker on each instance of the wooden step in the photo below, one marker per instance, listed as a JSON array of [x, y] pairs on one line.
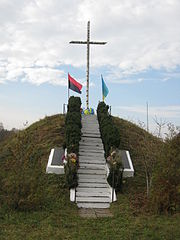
[[93, 205], [92, 194], [92, 185], [93, 199], [92, 140], [97, 162], [91, 176], [91, 154], [90, 171], [91, 146], [91, 157], [92, 166], [91, 150], [92, 180], [93, 190], [93, 135]]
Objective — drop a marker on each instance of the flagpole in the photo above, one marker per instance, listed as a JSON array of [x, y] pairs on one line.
[[102, 89], [68, 89]]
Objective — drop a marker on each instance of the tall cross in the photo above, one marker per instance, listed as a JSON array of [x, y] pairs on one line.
[[88, 42]]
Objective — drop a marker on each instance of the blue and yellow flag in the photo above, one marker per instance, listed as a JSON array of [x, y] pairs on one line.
[[105, 90]]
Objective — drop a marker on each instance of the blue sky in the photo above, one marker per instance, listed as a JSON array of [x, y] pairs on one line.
[[139, 63]]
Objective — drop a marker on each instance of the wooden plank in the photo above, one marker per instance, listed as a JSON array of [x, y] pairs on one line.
[[92, 166], [92, 185], [92, 180], [90, 150], [92, 158], [94, 135], [93, 199], [91, 139], [93, 194], [88, 176], [84, 171], [91, 154], [96, 190], [93, 205], [98, 162], [92, 145]]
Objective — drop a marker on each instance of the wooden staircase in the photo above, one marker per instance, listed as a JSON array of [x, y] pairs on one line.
[[93, 190]]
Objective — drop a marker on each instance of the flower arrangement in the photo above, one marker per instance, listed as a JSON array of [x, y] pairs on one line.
[[72, 157], [71, 170], [114, 161]]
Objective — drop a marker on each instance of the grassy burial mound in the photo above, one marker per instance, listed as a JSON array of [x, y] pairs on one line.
[[23, 158], [38, 203]]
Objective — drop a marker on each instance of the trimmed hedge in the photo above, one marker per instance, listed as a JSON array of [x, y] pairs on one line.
[[73, 125], [109, 132], [73, 136], [111, 140]]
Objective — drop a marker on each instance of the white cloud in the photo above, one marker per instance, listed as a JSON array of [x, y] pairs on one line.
[[34, 37], [166, 112]]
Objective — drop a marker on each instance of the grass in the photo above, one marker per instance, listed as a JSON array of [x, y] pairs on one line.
[[58, 218]]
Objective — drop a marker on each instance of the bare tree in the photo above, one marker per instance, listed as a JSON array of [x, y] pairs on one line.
[[160, 124], [172, 131]]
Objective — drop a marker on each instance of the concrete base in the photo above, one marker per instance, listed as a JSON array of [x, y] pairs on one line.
[[57, 169]]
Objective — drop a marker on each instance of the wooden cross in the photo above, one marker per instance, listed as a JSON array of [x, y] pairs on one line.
[[88, 42]]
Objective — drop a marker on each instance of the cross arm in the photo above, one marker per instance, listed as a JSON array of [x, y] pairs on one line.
[[85, 42], [78, 42], [99, 43]]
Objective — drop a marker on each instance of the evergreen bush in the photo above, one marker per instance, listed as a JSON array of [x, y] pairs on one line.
[[73, 136], [109, 132]]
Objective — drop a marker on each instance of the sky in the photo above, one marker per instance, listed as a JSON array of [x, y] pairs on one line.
[[140, 62]]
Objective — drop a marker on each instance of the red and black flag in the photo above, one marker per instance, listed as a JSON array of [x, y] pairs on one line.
[[73, 84]]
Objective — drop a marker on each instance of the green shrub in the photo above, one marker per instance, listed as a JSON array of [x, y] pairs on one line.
[[74, 104], [73, 118], [109, 132], [73, 136]]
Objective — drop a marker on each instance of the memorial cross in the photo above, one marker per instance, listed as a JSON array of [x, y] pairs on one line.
[[88, 42]]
